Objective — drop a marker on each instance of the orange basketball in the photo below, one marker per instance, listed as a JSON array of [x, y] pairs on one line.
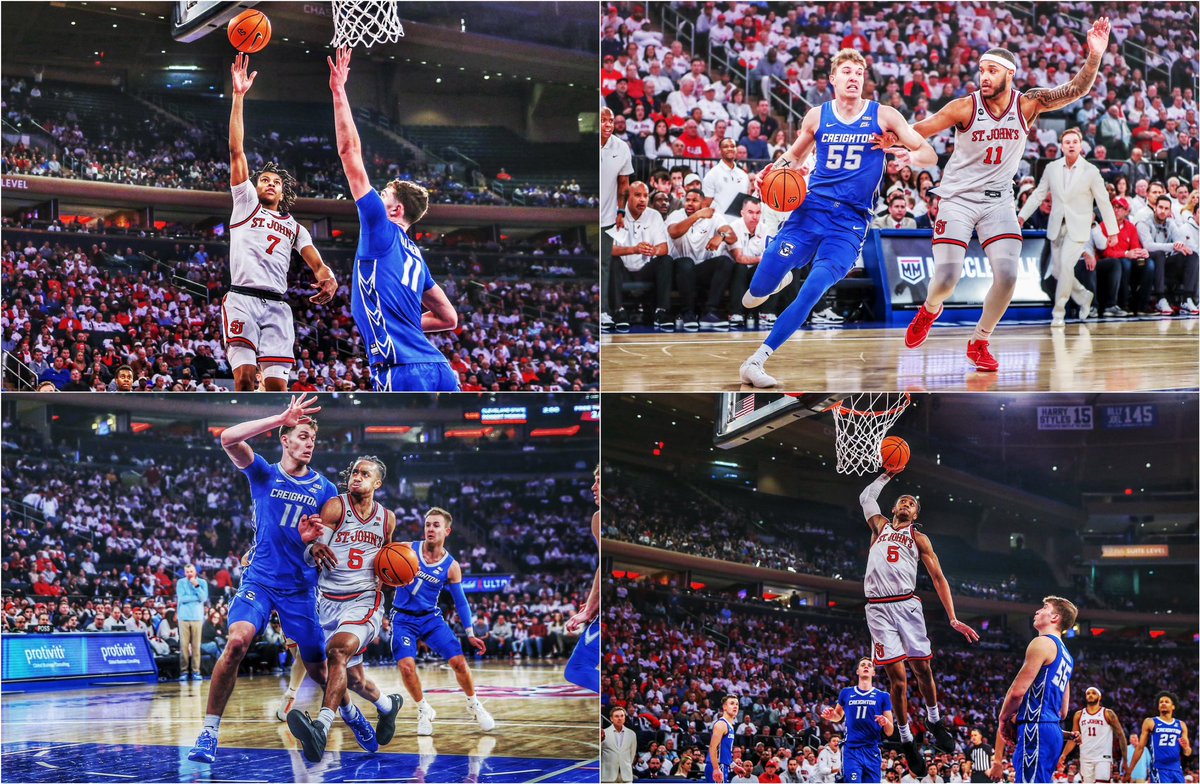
[[397, 564], [783, 189], [894, 453], [250, 31]]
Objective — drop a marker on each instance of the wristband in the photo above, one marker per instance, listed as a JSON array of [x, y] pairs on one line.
[[620, 210]]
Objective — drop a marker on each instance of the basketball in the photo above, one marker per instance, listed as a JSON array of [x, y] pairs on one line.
[[894, 453], [250, 31], [396, 564], [783, 190]]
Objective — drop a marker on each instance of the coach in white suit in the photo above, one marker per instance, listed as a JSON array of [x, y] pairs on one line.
[[618, 750], [1075, 186]]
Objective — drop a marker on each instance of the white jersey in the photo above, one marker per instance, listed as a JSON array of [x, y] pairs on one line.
[[693, 243], [1095, 737], [356, 543], [892, 564], [261, 242], [987, 153]]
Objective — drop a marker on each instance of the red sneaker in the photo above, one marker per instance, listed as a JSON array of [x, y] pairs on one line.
[[918, 330], [979, 356]]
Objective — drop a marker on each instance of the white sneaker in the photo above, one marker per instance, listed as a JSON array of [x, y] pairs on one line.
[[425, 717], [1058, 321], [1115, 311], [285, 706], [486, 722], [828, 316], [1164, 307], [606, 322], [1189, 307], [749, 301], [767, 319], [752, 373], [1085, 305]]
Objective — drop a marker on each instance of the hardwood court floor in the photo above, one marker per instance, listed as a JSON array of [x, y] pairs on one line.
[[546, 731], [1102, 356]]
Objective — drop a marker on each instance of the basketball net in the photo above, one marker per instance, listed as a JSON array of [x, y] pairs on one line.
[[860, 423], [365, 22]]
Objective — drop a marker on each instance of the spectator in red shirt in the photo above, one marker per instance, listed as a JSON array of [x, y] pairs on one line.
[[1135, 260], [770, 774], [303, 383], [609, 76], [694, 145]]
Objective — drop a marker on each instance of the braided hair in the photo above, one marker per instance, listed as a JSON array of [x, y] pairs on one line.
[[289, 184], [344, 474]]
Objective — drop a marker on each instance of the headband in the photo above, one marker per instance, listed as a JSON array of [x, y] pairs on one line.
[[995, 58], [1093, 688]]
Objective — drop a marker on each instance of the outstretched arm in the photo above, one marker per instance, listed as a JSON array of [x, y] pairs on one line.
[[326, 284], [239, 169], [869, 500], [591, 607], [349, 145], [1047, 99], [920, 154], [233, 439], [934, 567]]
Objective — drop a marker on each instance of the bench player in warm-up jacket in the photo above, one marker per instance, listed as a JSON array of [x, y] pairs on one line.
[[256, 320], [393, 297]]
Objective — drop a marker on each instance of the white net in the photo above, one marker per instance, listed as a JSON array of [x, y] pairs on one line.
[[860, 423], [365, 22]]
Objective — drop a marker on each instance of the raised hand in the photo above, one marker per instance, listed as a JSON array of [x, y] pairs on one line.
[[241, 82], [310, 528], [339, 71], [1097, 37], [299, 410]]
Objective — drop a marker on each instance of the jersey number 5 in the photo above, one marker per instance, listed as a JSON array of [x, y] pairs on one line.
[[1062, 676], [355, 561], [893, 553], [852, 156]]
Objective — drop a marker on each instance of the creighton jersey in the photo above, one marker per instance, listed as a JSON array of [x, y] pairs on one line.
[[421, 596], [280, 502], [1095, 737], [892, 564], [390, 280], [986, 153], [861, 708], [1043, 702], [848, 171], [261, 242], [356, 542], [1164, 746]]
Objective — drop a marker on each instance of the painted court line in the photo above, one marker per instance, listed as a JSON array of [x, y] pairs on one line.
[[554, 773]]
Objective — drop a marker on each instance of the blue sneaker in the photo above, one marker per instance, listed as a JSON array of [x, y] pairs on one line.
[[205, 749], [364, 733]]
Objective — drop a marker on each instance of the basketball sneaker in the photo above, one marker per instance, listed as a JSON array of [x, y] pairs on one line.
[[1085, 304], [979, 356], [736, 321], [916, 762], [690, 322], [606, 322], [310, 734], [364, 733], [752, 373], [1164, 308], [767, 319], [942, 737], [621, 322], [477, 711], [750, 301], [385, 728], [205, 749], [663, 321], [827, 316], [425, 716], [713, 320], [1189, 307], [918, 330], [285, 706]]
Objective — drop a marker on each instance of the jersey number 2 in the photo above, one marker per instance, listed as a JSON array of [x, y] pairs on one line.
[[987, 158]]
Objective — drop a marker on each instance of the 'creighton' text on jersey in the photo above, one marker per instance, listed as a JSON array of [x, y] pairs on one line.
[[848, 171], [421, 595], [281, 501], [390, 280], [861, 708]]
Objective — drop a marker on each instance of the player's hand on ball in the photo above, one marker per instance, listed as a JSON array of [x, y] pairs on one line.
[[477, 644], [241, 82], [964, 630], [1097, 37], [339, 70], [323, 555], [310, 528]]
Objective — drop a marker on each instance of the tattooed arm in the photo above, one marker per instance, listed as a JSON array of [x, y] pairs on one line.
[[1047, 99]]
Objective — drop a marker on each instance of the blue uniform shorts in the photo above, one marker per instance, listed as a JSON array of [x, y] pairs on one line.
[[297, 610], [830, 234], [415, 377], [708, 772], [583, 668], [1039, 745], [432, 628], [861, 764], [1166, 775]]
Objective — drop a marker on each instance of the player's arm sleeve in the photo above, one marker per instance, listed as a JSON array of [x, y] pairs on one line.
[[372, 220], [461, 606], [869, 498], [245, 199]]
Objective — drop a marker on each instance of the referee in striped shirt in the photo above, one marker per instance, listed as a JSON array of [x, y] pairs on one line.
[[980, 754]]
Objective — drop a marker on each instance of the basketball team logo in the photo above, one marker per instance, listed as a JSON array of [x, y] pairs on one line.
[[786, 248], [912, 268], [939, 227], [879, 650]]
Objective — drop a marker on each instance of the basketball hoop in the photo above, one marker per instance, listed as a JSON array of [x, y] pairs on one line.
[[860, 424], [365, 22]]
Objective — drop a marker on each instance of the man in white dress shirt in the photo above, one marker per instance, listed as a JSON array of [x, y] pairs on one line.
[[1075, 186]]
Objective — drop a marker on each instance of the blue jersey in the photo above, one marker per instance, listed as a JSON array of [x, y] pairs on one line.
[[848, 171], [390, 280], [725, 750], [861, 708], [280, 502], [421, 596], [1164, 744], [1043, 702]]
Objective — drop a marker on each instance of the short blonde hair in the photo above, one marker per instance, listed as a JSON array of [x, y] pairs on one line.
[[1067, 612], [414, 198], [853, 55], [437, 510]]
